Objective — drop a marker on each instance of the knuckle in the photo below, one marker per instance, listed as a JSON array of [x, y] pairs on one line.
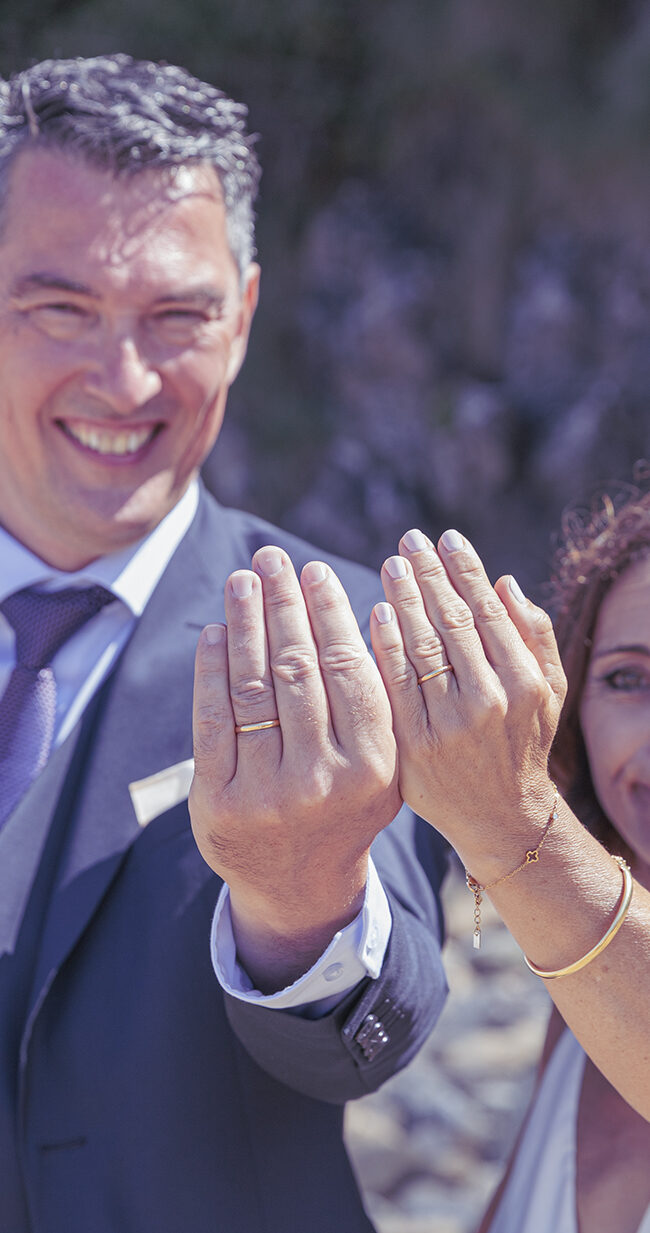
[[294, 665], [456, 617], [314, 788], [343, 657], [402, 678], [488, 608], [430, 570], [208, 719], [489, 707], [279, 595], [538, 692], [409, 602], [203, 750], [531, 692], [467, 567], [426, 646], [249, 693], [542, 622]]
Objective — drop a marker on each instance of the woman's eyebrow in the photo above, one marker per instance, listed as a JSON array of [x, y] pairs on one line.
[[632, 648]]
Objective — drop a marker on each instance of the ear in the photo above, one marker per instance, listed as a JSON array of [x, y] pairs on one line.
[[249, 298]]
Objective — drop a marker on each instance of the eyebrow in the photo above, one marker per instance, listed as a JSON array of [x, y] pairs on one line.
[[204, 297], [51, 282], [632, 649]]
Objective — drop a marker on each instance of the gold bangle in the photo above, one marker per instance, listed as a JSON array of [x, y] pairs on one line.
[[530, 858], [598, 949]]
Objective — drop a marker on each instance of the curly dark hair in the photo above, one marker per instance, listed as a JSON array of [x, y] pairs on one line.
[[597, 546], [123, 115]]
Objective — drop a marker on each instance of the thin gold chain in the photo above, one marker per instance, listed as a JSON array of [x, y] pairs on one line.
[[531, 858]]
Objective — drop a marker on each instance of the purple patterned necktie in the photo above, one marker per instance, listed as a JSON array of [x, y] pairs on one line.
[[42, 622]]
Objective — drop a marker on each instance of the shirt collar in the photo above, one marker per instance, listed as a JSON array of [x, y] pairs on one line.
[[132, 574]]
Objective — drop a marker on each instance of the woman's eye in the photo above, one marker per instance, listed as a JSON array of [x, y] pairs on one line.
[[626, 680]]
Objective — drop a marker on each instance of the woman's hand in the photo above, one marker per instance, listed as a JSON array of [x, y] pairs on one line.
[[473, 742]]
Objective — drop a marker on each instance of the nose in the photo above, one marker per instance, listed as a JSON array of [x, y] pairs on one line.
[[122, 378]]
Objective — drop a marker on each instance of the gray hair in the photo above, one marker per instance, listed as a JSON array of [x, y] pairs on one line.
[[124, 115]]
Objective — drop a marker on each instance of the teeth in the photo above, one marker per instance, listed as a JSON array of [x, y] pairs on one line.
[[104, 442]]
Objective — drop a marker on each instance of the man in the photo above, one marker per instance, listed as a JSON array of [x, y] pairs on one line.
[[136, 1091]]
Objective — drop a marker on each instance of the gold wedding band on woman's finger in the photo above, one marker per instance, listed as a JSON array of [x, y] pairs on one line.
[[430, 676], [261, 727]]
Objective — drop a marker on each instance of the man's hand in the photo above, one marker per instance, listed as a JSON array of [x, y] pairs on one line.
[[286, 815]]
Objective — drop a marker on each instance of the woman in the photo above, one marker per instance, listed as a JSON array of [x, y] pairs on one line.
[[476, 686]]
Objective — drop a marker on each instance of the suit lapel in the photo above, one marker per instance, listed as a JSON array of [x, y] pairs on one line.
[[143, 726]]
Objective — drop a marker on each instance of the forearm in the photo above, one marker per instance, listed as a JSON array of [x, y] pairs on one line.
[[557, 909]]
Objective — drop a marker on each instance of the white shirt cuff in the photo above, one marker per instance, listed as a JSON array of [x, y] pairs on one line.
[[354, 953]]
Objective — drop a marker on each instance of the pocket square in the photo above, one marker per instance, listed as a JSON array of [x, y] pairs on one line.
[[157, 793]]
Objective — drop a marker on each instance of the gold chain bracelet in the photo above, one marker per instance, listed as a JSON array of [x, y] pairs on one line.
[[530, 858]]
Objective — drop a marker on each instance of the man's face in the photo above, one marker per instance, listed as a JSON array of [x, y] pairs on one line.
[[123, 322]]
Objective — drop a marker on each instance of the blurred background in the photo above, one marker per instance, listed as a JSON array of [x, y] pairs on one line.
[[454, 331], [453, 227]]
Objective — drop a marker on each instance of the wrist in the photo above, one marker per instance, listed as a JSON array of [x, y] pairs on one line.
[[523, 827], [279, 935]]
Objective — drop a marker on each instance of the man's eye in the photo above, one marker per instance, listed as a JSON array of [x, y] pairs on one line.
[[62, 308], [59, 320], [180, 324], [183, 316]]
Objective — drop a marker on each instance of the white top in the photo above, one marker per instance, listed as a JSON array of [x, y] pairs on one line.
[[540, 1196], [80, 667]]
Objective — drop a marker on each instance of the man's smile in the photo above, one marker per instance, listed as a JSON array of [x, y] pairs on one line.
[[109, 442]]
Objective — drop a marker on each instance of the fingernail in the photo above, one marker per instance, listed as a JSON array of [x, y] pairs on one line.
[[516, 590], [269, 561], [395, 567], [452, 541], [214, 634], [241, 584], [314, 571], [414, 541], [383, 613]]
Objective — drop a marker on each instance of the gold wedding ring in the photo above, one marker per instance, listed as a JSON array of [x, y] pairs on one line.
[[266, 723], [429, 676]]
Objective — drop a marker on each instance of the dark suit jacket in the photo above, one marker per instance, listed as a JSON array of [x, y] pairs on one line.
[[142, 1099]]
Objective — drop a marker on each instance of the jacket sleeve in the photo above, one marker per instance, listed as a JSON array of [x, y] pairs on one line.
[[382, 1023]]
